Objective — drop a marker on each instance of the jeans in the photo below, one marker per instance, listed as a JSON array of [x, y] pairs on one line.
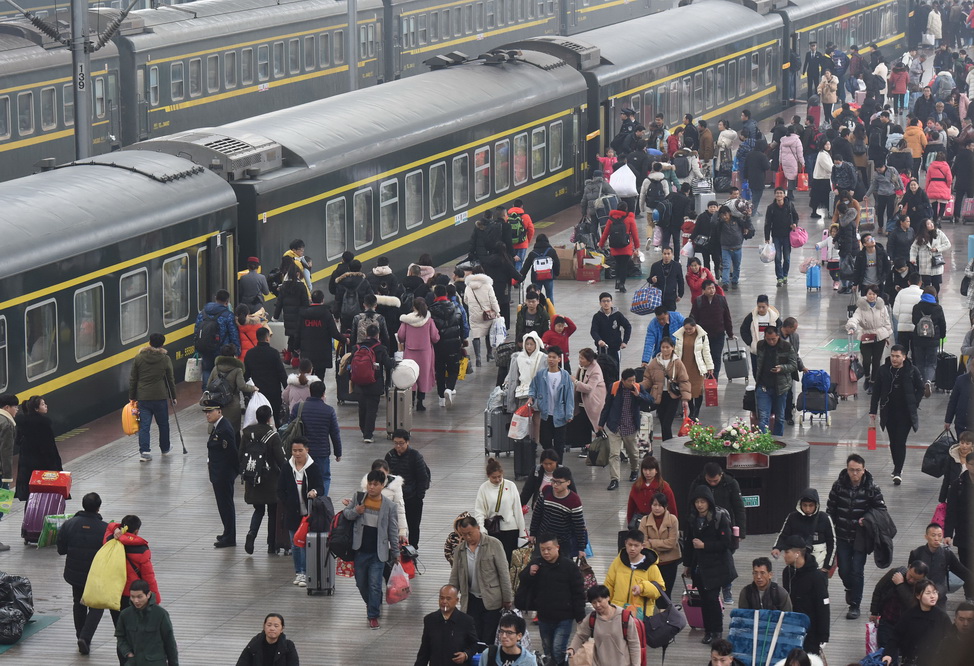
[[368, 579], [147, 410], [554, 638], [299, 555], [884, 212], [782, 257], [207, 361], [852, 562], [519, 254], [727, 257], [548, 286], [757, 191], [766, 402], [716, 349], [324, 462], [258, 517], [616, 442], [925, 357], [368, 409]]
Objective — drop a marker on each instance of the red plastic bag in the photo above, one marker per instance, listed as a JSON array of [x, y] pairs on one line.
[[520, 423], [871, 439], [301, 535], [802, 181], [410, 568], [779, 178], [344, 568], [398, 588], [687, 422]]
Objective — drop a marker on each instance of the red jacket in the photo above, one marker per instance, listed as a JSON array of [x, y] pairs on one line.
[[528, 227], [552, 337], [641, 497], [630, 220], [939, 180], [695, 282], [138, 560], [248, 338]]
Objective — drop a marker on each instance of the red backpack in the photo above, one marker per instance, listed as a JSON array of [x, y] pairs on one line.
[[640, 631], [362, 366]]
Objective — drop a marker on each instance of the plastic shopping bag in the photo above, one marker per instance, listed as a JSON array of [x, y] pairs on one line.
[[194, 369], [106, 578], [520, 423], [767, 253], [130, 418], [301, 534], [257, 400], [498, 332], [687, 250], [398, 588], [872, 638], [687, 423]]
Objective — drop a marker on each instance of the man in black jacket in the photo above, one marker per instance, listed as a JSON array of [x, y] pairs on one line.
[[963, 172], [756, 167], [263, 365], [814, 63], [667, 276], [369, 394], [446, 352], [680, 202], [449, 634], [941, 562], [222, 464], [873, 266], [892, 597], [779, 221], [727, 495], [316, 330], [552, 586], [80, 537], [610, 329], [408, 463], [808, 588]]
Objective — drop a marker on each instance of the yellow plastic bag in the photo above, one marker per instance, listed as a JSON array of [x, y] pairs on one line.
[[130, 418], [106, 578], [464, 363]]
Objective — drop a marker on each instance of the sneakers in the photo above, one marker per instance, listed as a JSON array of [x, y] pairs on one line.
[[304, 581], [167, 452], [449, 395], [725, 285], [147, 457], [373, 623], [897, 479], [728, 599], [735, 286], [613, 485], [297, 579], [420, 407], [477, 364], [836, 285], [633, 476], [443, 402], [368, 440], [927, 389], [784, 280], [779, 282]]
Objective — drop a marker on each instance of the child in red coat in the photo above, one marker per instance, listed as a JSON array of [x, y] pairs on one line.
[[561, 329]]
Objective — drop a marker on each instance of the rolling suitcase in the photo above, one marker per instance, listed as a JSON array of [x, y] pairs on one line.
[[735, 360], [839, 375], [38, 506], [497, 423], [946, 373], [282, 538], [321, 565], [813, 278], [344, 387], [692, 607], [399, 411], [524, 456]]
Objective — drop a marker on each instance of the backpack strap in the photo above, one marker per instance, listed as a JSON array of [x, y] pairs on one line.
[[626, 614], [492, 655]]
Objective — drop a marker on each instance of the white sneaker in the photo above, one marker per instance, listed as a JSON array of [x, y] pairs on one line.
[[297, 579], [442, 402], [303, 582], [368, 440], [145, 457], [448, 393]]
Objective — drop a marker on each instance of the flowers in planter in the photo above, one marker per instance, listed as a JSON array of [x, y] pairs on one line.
[[737, 436]]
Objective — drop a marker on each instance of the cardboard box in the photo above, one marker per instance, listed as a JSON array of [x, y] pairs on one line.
[[585, 272], [566, 260], [42, 481]]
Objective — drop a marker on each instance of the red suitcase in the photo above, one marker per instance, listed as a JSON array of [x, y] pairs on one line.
[[39, 505], [839, 373]]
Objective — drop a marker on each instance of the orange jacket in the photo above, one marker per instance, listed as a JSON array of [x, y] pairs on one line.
[[138, 560]]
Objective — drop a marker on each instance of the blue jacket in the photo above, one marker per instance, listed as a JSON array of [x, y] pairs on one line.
[[654, 335], [320, 423], [224, 317], [612, 412], [564, 407]]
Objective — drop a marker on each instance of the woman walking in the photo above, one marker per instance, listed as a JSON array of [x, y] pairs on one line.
[[645, 488], [228, 374], [921, 631], [925, 341], [940, 180], [498, 508], [417, 334], [35, 441], [662, 530], [707, 557], [542, 262], [525, 364], [896, 396], [247, 325], [667, 381], [928, 254], [821, 184], [482, 308], [590, 391], [693, 348], [872, 323], [260, 489], [697, 274]]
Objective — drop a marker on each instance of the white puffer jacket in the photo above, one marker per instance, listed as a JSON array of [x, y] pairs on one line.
[[701, 349], [478, 297], [921, 256], [871, 320], [903, 307]]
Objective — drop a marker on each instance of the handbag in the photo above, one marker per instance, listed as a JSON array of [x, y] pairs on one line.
[[937, 454], [301, 534], [663, 626], [802, 180], [856, 371], [130, 418], [779, 178], [194, 369], [642, 299], [937, 260], [798, 237], [487, 313], [687, 423], [588, 575], [868, 337], [493, 524]]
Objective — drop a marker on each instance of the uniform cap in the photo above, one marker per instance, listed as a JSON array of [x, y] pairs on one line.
[[253, 260], [210, 405]]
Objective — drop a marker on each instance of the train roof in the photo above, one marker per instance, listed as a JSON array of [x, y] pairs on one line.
[[23, 47], [94, 203], [798, 9], [672, 35]]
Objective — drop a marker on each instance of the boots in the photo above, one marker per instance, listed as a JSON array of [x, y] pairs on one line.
[[420, 407]]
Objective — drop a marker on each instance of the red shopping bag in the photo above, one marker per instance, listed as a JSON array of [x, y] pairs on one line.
[[520, 423], [710, 392], [687, 422], [871, 438], [779, 178], [398, 588], [344, 568], [301, 534], [802, 181]]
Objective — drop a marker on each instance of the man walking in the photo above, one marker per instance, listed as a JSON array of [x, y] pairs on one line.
[[9, 405], [727, 495], [808, 588], [449, 635], [763, 592], [711, 311], [779, 221], [620, 419], [80, 537], [892, 597], [152, 384], [215, 327], [321, 429], [264, 366], [480, 572], [409, 464], [371, 374], [144, 631], [553, 395], [222, 464], [776, 364]]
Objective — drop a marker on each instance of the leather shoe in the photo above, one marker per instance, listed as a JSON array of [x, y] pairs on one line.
[[853, 613], [249, 543], [83, 646], [613, 485], [225, 544]]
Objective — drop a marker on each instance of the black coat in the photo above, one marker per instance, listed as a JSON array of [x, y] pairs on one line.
[[957, 524], [727, 495], [963, 171], [412, 284], [778, 221], [712, 566], [444, 638], [80, 537], [940, 563], [287, 491], [291, 298], [449, 322], [316, 330], [501, 270], [920, 634], [285, 654], [847, 504], [756, 164], [222, 459], [883, 264], [556, 591], [669, 279], [876, 536], [936, 313], [884, 383], [808, 588], [814, 529], [415, 473], [355, 283], [890, 600], [38, 450], [383, 373], [899, 243], [263, 364], [612, 329]]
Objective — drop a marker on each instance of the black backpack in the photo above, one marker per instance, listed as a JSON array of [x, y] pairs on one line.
[[619, 235], [682, 164], [350, 304], [207, 339], [321, 513], [221, 393], [256, 459], [655, 191], [342, 533], [859, 148], [519, 233]]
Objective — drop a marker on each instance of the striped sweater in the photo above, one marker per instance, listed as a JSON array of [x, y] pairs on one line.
[[561, 516]]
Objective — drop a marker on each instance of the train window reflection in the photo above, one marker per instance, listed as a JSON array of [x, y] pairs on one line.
[[40, 329], [554, 150], [310, 53], [362, 204], [339, 47], [293, 56], [247, 66], [153, 88], [414, 199], [324, 49], [195, 77], [538, 144], [230, 69], [502, 170], [212, 73], [278, 59], [89, 322], [175, 289], [437, 190], [335, 227], [4, 117], [133, 297], [48, 112], [388, 208], [520, 159], [263, 63], [481, 173], [461, 181], [25, 113]]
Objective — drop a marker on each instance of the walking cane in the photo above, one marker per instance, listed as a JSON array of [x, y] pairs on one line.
[[172, 399]]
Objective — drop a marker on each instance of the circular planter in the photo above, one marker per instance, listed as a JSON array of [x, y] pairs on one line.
[[770, 483]]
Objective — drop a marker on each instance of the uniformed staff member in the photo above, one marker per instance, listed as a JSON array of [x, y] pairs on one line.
[[221, 461]]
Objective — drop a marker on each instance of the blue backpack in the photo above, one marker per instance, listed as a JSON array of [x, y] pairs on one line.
[[816, 380]]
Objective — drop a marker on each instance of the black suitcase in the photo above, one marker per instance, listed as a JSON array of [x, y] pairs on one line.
[[344, 389], [946, 373], [524, 458], [282, 538], [497, 423], [321, 565]]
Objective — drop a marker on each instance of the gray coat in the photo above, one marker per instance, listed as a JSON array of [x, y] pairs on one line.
[[591, 194], [492, 573], [388, 541]]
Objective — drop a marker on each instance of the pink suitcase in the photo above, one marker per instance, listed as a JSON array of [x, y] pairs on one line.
[[839, 373], [39, 505], [691, 605]]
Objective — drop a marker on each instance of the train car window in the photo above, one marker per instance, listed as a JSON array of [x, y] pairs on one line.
[[445, 31], [363, 213], [213, 73], [721, 82], [339, 49], [554, 148], [310, 53], [293, 56], [176, 88], [100, 97], [247, 66], [481, 173], [48, 112], [468, 19], [4, 374], [363, 42], [741, 77], [538, 144], [635, 102], [755, 70], [435, 26], [520, 159], [551, 7], [829, 35], [541, 9], [680, 98], [67, 95], [480, 17], [25, 113], [153, 86], [662, 101], [502, 168], [528, 9], [335, 228], [389, 208], [202, 297], [133, 298], [5, 117], [41, 331], [509, 10], [500, 12], [324, 50], [697, 95], [491, 14], [414, 199], [708, 88], [461, 182], [230, 68], [175, 290], [649, 105], [437, 190], [278, 59], [423, 29], [731, 79], [89, 322], [263, 62], [195, 77]]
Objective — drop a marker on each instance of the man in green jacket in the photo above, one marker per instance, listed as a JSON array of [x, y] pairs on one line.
[[144, 631], [153, 385], [776, 361]]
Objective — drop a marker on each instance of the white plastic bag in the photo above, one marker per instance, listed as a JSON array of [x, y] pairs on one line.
[[498, 332], [257, 400], [496, 398], [623, 181], [687, 250], [520, 424], [405, 374], [398, 588], [194, 369], [767, 253]]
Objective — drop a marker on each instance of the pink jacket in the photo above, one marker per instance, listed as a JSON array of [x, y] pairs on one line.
[[791, 155], [939, 180]]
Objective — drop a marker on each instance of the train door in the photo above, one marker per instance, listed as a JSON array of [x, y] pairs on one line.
[[573, 140], [144, 84], [114, 110], [216, 267]]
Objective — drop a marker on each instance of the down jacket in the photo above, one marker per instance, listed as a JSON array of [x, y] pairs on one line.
[[623, 576], [817, 530], [921, 256], [479, 296], [847, 504], [449, 321], [630, 222], [792, 158], [138, 560], [80, 537], [712, 566], [939, 181], [873, 319]]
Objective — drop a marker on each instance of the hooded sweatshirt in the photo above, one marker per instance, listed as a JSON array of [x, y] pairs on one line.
[[817, 530], [527, 365], [623, 575], [712, 566]]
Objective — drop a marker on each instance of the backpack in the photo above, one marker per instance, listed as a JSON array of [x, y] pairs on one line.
[[682, 164], [365, 319], [222, 393], [256, 461], [350, 304], [619, 235], [655, 191], [293, 429], [925, 328], [406, 303], [362, 366], [207, 339], [543, 267], [321, 513], [519, 233], [640, 631], [816, 380], [859, 148], [342, 534]]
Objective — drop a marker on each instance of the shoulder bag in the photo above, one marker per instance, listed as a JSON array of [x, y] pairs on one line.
[[486, 313], [493, 524]]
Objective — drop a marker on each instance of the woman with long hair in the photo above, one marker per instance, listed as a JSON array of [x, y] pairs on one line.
[[696, 275], [417, 334], [649, 483], [498, 508], [821, 183], [667, 381], [542, 262], [662, 530], [35, 440], [928, 253], [298, 387], [590, 392], [940, 180]]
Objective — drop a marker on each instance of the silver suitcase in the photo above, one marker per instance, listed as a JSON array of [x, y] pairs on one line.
[[321, 565], [399, 411]]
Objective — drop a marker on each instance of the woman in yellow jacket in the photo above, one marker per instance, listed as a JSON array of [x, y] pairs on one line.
[[631, 575]]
